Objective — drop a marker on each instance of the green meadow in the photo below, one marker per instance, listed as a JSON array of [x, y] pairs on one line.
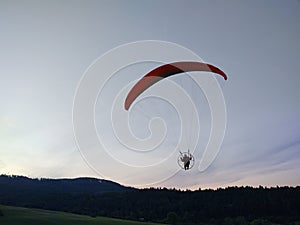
[[27, 216]]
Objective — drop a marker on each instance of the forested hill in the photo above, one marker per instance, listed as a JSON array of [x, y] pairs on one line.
[[236, 205], [28, 186]]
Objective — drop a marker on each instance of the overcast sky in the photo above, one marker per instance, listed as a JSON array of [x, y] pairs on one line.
[[46, 46]]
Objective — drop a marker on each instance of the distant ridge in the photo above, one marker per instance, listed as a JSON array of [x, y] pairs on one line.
[[82, 185]]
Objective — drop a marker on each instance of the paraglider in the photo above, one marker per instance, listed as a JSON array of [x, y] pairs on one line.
[[164, 71], [185, 159]]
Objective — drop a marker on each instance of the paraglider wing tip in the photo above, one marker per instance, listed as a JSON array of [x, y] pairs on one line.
[[126, 105], [217, 70], [222, 74]]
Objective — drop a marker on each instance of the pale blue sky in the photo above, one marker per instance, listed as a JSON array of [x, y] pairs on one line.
[[45, 47]]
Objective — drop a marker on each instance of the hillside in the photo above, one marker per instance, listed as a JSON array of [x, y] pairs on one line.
[[26, 216], [93, 197]]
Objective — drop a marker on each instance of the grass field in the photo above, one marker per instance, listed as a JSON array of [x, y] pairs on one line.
[[27, 216]]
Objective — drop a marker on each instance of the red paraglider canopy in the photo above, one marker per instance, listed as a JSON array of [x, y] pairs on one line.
[[164, 71]]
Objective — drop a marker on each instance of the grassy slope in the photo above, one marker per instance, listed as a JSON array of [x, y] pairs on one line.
[[26, 216]]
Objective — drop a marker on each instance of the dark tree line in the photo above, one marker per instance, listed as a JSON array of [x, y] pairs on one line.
[[232, 205]]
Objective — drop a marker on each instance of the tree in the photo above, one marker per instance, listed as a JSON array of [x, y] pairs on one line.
[[172, 218], [240, 221], [228, 221], [260, 222]]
